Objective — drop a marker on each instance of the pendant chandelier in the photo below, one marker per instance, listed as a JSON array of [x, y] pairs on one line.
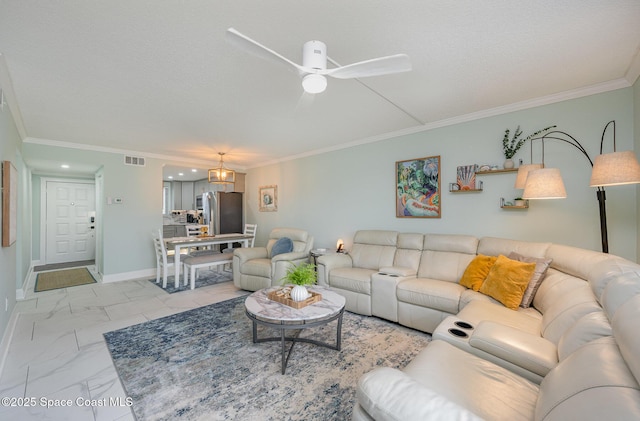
[[221, 175]]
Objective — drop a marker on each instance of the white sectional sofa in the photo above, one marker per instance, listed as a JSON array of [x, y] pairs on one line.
[[573, 354]]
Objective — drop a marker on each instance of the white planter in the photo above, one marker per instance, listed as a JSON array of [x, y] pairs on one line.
[[299, 293]]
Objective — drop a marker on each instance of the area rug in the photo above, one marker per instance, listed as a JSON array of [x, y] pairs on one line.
[[205, 278], [202, 365], [63, 279]]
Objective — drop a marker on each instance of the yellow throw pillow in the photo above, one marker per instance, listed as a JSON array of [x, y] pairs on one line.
[[507, 281], [476, 272]]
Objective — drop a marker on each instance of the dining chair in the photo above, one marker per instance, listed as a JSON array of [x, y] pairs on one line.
[[163, 262], [249, 229], [193, 231]]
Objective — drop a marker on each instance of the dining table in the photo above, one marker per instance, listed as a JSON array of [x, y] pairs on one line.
[[176, 243]]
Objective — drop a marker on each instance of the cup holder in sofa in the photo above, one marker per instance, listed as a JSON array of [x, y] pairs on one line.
[[458, 333], [463, 325]]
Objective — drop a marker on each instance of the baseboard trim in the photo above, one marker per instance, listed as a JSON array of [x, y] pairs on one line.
[[6, 338], [21, 293]]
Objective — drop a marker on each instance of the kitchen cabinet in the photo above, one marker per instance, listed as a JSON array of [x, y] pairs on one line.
[[201, 186], [185, 192], [188, 198], [176, 188]]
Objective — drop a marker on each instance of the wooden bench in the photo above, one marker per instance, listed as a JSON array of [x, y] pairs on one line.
[[202, 260]]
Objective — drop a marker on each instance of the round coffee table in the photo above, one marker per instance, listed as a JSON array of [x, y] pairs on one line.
[[263, 311]]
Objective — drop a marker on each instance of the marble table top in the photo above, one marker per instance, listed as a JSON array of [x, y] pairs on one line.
[[265, 309]]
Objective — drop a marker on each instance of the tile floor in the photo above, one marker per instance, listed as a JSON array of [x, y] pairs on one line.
[[59, 357]]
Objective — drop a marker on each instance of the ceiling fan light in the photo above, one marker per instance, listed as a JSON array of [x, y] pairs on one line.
[[314, 83]]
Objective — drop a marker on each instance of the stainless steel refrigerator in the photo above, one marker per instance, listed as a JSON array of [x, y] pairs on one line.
[[223, 212]]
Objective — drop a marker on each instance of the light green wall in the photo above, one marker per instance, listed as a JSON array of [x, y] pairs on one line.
[[636, 131], [14, 260], [334, 194], [126, 228]]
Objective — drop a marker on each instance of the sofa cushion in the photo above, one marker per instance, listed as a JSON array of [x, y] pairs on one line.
[[302, 241], [593, 383], [409, 251], [477, 271], [588, 328], [352, 279], [430, 293], [507, 280], [281, 246], [555, 285], [492, 246], [388, 394], [460, 376], [538, 276], [566, 310], [257, 267], [445, 257]]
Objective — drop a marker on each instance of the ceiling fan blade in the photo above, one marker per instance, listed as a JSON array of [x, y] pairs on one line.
[[254, 47], [374, 67]]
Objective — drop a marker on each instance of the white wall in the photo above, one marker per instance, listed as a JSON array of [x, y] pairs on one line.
[[334, 194]]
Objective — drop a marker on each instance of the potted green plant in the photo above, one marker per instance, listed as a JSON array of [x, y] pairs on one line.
[[518, 201], [511, 146], [300, 276]]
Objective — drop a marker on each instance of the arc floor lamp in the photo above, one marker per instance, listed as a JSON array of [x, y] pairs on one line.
[[610, 169]]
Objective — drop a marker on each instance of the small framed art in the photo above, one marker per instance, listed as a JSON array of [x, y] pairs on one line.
[[9, 203], [268, 196]]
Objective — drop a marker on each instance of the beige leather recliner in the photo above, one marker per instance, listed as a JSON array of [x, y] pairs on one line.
[[254, 268]]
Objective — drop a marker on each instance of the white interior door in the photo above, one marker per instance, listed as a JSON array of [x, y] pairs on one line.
[[70, 232]]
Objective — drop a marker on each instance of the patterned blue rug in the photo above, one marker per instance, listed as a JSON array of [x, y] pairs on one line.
[[205, 278], [203, 365]]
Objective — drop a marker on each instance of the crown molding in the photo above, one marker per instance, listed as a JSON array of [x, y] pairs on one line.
[[492, 112], [633, 72], [96, 148]]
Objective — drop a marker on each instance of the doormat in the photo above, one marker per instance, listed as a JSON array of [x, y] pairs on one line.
[[63, 279]]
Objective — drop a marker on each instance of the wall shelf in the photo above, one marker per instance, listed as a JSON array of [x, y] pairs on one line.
[[502, 171], [503, 205], [455, 188], [465, 191]]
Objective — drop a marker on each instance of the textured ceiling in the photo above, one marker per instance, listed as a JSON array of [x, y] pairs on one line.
[[157, 77]]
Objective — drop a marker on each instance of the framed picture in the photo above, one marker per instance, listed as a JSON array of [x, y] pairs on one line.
[[418, 188], [268, 196], [9, 203], [466, 177]]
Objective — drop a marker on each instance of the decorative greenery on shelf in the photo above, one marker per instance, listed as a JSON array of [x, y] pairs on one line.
[[510, 147], [304, 274]]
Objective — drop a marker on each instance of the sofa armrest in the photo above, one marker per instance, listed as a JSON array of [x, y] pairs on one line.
[[290, 257], [531, 352], [281, 263], [398, 271], [389, 394], [326, 263], [248, 253]]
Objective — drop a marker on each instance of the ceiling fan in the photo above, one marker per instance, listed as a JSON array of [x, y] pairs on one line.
[[314, 62]]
